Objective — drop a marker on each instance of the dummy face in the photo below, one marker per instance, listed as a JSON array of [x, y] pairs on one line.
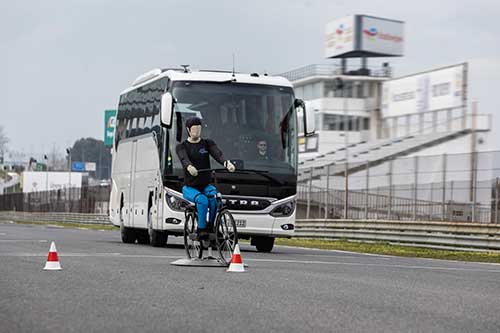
[[262, 147], [195, 132]]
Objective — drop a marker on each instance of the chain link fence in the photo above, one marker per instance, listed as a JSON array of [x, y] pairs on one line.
[[447, 187]]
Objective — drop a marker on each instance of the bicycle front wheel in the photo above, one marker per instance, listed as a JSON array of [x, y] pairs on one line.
[[227, 235], [192, 244]]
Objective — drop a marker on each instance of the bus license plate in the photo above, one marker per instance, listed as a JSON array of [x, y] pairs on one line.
[[240, 223]]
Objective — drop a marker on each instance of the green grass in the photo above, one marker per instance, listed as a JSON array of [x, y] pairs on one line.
[[73, 225], [394, 250], [343, 245]]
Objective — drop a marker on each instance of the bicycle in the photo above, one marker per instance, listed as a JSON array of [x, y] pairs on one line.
[[224, 237]]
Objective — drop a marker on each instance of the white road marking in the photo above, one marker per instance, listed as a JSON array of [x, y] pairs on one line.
[[24, 240], [383, 256], [90, 255], [3, 234], [374, 265], [289, 261]]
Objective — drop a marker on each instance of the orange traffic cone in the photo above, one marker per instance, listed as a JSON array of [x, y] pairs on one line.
[[236, 264], [53, 260]]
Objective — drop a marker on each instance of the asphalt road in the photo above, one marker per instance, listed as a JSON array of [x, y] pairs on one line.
[[109, 286]]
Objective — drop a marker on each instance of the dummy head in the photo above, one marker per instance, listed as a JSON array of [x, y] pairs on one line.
[[193, 126], [262, 147]]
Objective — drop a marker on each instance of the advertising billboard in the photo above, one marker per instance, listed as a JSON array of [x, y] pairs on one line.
[[364, 36], [339, 37], [109, 127], [381, 36], [438, 89], [33, 181]]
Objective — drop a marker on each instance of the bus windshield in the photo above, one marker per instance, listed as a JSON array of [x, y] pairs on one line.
[[252, 124]]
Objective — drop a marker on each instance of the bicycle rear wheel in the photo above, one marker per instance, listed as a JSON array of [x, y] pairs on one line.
[[227, 235], [192, 244]]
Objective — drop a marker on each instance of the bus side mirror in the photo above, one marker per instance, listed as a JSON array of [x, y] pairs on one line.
[[307, 117], [167, 106]]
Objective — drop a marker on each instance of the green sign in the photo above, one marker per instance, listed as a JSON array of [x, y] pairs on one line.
[[109, 127]]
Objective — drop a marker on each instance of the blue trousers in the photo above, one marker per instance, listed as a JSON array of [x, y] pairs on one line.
[[202, 202]]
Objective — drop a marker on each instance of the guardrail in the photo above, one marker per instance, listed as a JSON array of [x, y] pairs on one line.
[[433, 234], [55, 217], [430, 234]]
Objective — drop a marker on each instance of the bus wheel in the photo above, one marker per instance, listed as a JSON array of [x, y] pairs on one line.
[[142, 236], [128, 234], [263, 243], [157, 238]]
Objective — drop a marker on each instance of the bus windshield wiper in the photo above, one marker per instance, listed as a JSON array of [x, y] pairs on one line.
[[262, 173]]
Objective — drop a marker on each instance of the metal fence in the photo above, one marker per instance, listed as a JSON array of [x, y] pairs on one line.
[[88, 199], [447, 187]]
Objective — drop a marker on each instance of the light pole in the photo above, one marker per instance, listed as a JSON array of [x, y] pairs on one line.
[[339, 84], [47, 194], [68, 151]]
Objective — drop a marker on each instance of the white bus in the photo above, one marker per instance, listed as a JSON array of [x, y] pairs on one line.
[[239, 111]]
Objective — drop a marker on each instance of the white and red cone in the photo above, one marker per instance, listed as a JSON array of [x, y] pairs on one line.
[[236, 264], [53, 260]]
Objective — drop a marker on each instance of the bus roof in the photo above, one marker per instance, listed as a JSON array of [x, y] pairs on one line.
[[216, 76]]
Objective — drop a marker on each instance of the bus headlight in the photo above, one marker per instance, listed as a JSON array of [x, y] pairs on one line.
[[284, 210], [176, 203]]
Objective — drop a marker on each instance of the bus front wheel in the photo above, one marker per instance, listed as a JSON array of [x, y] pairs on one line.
[[128, 234], [263, 243]]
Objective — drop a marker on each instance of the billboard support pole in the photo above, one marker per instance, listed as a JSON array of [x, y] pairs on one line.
[[473, 148], [367, 187], [415, 189], [452, 204], [443, 208], [346, 144], [327, 190], [389, 210], [474, 187], [496, 201], [309, 193]]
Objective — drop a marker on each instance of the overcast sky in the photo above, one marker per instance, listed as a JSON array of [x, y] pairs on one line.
[[64, 62]]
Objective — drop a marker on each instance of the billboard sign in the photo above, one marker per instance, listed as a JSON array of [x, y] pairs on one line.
[[109, 127], [438, 89], [339, 36], [33, 181], [364, 36], [90, 166], [381, 36], [78, 166]]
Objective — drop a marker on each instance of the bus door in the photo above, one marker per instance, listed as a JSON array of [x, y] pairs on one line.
[[132, 185]]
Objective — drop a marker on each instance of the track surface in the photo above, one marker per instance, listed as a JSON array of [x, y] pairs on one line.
[[109, 286]]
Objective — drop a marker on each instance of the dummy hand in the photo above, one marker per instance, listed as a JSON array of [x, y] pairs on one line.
[[192, 170], [229, 166]]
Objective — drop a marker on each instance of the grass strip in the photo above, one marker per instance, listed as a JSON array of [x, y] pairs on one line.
[[342, 245], [390, 249], [72, 225]]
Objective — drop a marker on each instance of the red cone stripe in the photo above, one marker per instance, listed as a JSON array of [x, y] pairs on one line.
[[236, 259], [53, 256]]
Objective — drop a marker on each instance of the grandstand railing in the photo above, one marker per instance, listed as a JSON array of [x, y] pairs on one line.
[[333, 69], [446, 187]]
